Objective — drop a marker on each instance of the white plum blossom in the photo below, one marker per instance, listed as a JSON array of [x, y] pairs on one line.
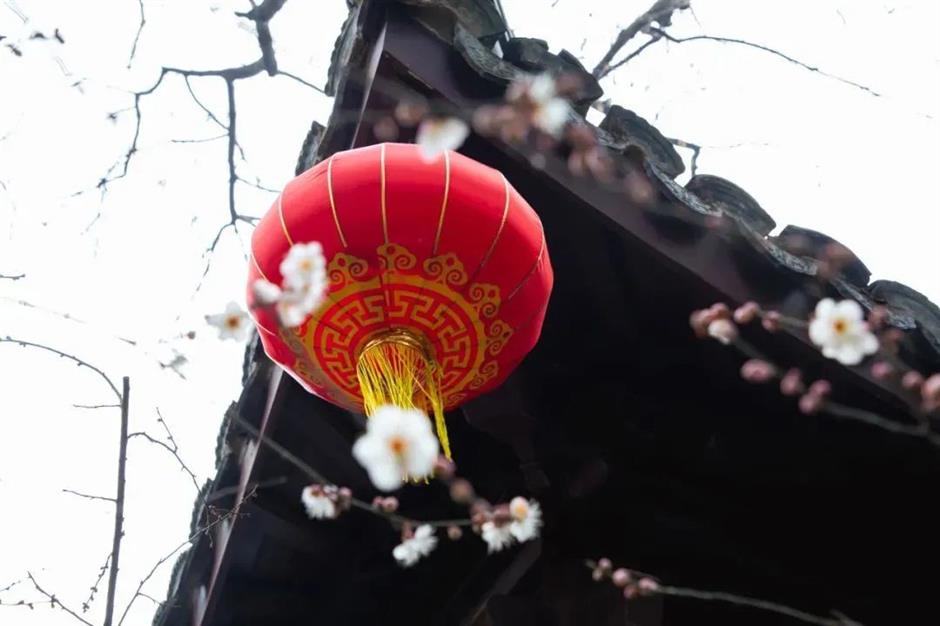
[[304, 266], [398, 444], [295, 305], [304, 284], [526, 519], [437, 135], [233, 323], [410, 550], [318, 501], [549, 111], [496, 536], [839, 329], [266, 292]]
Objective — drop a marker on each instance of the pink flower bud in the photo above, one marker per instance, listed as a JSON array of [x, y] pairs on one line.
[[821, 388], [810, 403], [720, 311], [792, 383], [724, 330], [771, 321], [444, 468], [390, 504], [647, 586], [454, 533], [930, 391], [912, 380], [630, 592], [757, 371], [621, 577], [746, 312], [878, 318], [881, 370], [699, 321], [461, 491]]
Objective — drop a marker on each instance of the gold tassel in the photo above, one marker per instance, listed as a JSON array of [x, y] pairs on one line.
[[396, 368]]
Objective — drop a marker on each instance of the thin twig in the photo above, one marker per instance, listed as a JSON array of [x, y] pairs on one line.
[[172, 450], [757, 46], [12, 276], [763, 605], [660, 12], [89, 496], [64, 355], [140, 28], [199, 532], [694, 147], [96, 406], [54, 601], [86, 605], [119, 506]]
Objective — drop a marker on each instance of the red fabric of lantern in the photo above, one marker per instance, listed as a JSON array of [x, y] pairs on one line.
[[446, 251]]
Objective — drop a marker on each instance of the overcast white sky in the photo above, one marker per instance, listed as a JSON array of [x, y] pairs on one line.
[[812, 150]]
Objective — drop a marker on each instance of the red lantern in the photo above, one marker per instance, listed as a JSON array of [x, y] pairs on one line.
[[439, 279]]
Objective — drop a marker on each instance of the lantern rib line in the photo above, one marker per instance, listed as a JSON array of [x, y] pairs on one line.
[[531, 318], [382, 180], [258, 266], [499, 232], [280, 212], [440, 220], [329, 189], [531, 272]]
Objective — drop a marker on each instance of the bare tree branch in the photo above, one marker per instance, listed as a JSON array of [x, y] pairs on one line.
[[199, 532], [661, 13], [96, 406], [12, 276], [65, 355], [86, 605], [653, 39], [140, 28], [55, 602], [772, 607], [119, 505], [90, 497], [694, 147], [170, 447], [777, 53]]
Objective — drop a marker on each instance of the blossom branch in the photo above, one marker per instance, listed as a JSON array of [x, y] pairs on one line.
[[638, 584], [716, 322], [314, 475]]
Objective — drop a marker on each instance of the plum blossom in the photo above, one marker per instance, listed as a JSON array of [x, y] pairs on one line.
[[398, 444], [437, 135], [304, 286], [319, 501], [839, 329], [266, 292], [526, 519], [233, 323], [304, 266], [410, 550], [539, 96], [496, 536]]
